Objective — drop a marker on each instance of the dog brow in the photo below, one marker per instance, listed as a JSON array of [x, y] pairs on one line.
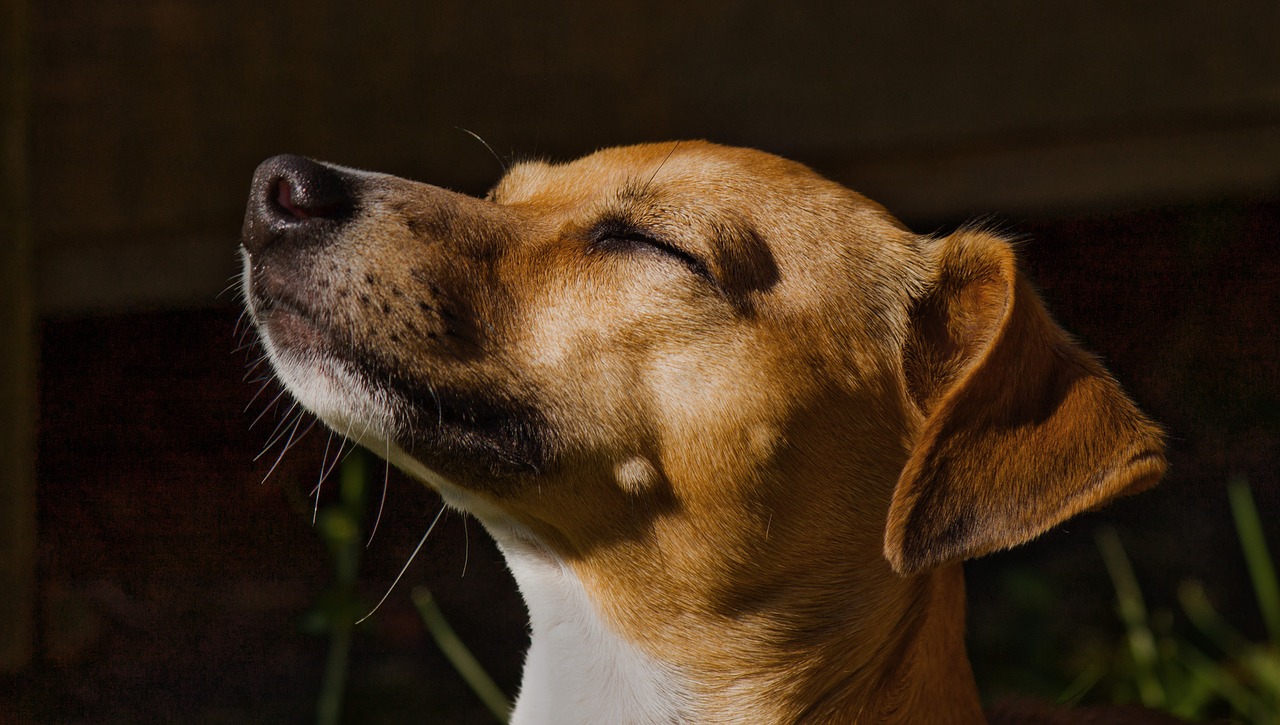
[[741, 259], [635, 191]]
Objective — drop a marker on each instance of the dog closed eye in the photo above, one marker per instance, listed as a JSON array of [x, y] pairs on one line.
[[616, 235]]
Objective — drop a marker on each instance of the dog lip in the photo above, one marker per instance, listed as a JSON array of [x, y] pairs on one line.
[[290, 326], [450, 426], [290, 322]]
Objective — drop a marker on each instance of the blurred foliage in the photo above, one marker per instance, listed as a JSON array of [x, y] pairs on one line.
[[1213, 671], [340, 608], [460, 657], [1183, 658]]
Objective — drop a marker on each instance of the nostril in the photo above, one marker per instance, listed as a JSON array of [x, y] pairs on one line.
[[298, 199], [284, 200], [304, 189], [307, 196]]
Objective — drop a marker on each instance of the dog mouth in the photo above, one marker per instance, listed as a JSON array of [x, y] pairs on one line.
[[470, 431], [378, 342], [289, 325]]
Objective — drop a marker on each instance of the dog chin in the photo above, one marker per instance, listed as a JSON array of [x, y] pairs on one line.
[[335, 392], [456, 496], [345, 400]]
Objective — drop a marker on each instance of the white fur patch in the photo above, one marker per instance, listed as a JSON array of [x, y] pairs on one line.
[[578, 669]]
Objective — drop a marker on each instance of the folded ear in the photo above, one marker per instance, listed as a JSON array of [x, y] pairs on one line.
[[1022, 429]]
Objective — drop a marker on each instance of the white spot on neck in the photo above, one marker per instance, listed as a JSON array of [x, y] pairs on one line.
[[578, 669]]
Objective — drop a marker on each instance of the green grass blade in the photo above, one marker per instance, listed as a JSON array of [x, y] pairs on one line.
[[334, 685], [1264, 666], [1261, 568], [1206, 619], [340, 528], [459, 656], [1084, 682], [1220, 680], [1133, 613]]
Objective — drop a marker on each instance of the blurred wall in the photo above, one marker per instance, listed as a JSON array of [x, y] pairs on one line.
[[149, 116]]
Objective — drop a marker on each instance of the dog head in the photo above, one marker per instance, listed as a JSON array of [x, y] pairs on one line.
[[686, 332]]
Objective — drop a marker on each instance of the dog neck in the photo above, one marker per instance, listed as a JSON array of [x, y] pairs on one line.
[[799, 653], [578, 668]]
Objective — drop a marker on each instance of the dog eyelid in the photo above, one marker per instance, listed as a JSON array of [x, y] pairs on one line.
[[612, 235]]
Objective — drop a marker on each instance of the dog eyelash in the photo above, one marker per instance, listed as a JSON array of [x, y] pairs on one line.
[[610, 237]]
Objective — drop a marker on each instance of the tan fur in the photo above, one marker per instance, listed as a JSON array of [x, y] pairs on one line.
[[764, 459]]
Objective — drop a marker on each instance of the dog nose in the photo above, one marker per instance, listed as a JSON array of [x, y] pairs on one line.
[[292, 197]]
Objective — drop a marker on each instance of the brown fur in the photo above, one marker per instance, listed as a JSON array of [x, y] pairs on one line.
[[761, 420]]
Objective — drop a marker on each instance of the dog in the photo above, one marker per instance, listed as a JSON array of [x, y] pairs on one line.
[[733, 426]]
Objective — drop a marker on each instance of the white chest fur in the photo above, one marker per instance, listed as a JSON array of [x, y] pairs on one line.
[[578, 670]]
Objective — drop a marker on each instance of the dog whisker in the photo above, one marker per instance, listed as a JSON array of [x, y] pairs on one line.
[[254, 356], [295, 441], [243, 334], [439, 408], [290, 443], [325, 472], [236, 282], [355, 442], [501, 164], [291, 417], [287, 423], [466, 546], [266, 383], [282, 428], [268, 407], [405, 568], [324, 461], [386, 477], [648, 184], [237, 331], [252, 369], [327, 468], [338, 458]]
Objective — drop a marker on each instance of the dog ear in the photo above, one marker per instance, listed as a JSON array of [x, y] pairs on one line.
[[1022, 429]]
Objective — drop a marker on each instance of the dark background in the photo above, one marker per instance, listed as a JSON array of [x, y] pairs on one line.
[[148, 575]]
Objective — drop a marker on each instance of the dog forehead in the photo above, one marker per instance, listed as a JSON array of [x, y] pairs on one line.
[[764, 224], [696, 166]]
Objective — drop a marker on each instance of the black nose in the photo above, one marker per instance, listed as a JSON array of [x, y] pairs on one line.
[[296, 198]]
